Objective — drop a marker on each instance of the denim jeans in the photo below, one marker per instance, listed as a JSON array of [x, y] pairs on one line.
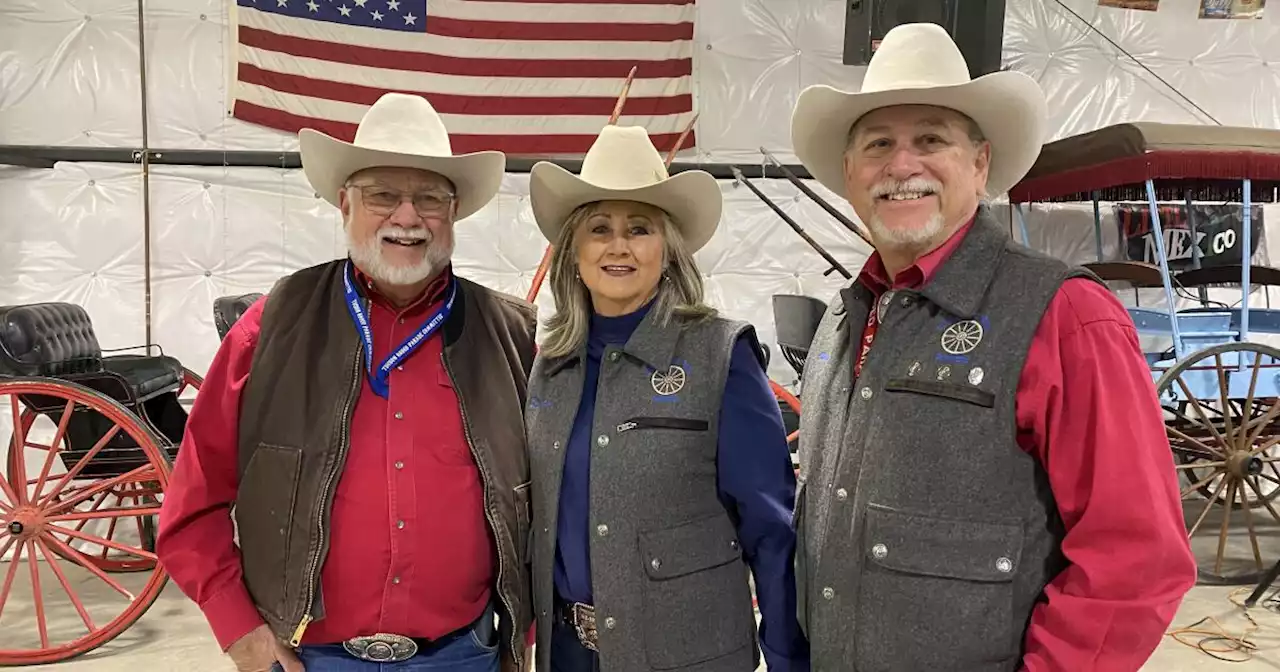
[[567, 652], [472, 650]]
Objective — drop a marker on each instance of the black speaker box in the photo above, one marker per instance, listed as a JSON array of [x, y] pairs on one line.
[[977, 26]]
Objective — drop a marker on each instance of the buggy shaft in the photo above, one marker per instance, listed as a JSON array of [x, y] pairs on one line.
[[840, 217], [792, 223]]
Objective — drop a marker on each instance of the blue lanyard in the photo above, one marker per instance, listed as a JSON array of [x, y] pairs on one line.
[[355, 305]]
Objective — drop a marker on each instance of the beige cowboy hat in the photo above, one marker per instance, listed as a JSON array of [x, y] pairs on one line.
[[624, 165], [919, 64], [401, 131]]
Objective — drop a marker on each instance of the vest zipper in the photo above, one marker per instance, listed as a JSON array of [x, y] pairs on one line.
[[516, 650], [313, 568], [662, 423]]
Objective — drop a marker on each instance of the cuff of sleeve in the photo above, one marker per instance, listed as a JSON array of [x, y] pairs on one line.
[[231, 614]]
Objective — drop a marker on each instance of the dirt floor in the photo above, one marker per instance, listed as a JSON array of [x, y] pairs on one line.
[[172, 634]]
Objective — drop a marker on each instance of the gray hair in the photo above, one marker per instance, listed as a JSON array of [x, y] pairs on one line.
[[679, 294]]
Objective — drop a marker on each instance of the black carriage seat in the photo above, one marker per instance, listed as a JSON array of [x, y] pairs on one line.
[[227, 310], [57, 340], [796, 318]]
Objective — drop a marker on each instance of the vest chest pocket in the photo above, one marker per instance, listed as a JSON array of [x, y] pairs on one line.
[[940, 390], [697, 604], [948, 576], [641, 423]]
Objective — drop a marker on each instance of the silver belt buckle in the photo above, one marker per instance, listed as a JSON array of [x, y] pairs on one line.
[[584, 622], [381, 648]]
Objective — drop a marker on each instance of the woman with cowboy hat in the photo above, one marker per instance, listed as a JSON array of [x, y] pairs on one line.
[[659, 464]]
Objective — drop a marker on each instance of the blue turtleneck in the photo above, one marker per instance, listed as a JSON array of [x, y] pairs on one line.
[[756, 484]]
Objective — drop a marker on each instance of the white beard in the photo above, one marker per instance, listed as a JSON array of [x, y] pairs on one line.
[[367, 255], [907, 237]]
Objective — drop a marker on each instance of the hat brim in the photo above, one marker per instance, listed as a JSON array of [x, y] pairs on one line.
[[328, 162], [692, 198], [1008, 106]]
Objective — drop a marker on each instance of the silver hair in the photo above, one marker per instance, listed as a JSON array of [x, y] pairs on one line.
[[679, 292]]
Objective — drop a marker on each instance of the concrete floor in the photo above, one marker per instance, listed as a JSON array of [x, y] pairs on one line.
[[172, 634]]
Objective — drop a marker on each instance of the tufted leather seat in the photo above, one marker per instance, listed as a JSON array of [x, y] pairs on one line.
[[227, 310], [56, 340]]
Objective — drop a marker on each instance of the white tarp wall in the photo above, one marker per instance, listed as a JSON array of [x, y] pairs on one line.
[[69, 76]]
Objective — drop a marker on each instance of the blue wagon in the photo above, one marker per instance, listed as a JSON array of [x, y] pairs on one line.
[[1219, 389]]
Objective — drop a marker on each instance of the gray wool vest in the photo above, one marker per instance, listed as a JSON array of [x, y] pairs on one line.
[[669, 579], [925, 533]]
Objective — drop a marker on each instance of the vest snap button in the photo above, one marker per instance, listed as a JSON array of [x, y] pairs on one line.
[[613, 356], [610, 622], [842, 494], [828, 593], [1004, 565], [602, 440], [555, 446], [655, 563], [866, 392], [879, 551], [602, 530]]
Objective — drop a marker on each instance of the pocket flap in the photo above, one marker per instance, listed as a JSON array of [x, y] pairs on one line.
[[934, 388], [690, 547], [951, 549]]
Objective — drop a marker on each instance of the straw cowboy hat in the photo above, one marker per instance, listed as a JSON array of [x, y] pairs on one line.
[[919, 64], [623, 164], [401, 131]]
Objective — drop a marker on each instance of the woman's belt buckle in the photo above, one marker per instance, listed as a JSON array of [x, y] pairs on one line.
[[381, 648], [584, 621]]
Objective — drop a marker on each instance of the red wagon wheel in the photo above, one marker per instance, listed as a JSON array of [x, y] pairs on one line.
[[105, 449], [135, 495]]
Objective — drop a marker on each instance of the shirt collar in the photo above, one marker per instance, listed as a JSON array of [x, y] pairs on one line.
[[434, 291], [876, 278]]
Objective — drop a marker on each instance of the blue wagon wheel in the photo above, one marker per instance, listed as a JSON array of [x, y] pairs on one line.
[[1222, 416]]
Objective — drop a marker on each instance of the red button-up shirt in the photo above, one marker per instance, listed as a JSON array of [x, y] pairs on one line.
[[1087, 409], [411, 552]]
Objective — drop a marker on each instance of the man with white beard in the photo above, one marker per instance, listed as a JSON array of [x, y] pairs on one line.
[[985, 480], [361, 431]]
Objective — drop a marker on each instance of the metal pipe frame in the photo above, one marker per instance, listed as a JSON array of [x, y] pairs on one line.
[[46, 156]]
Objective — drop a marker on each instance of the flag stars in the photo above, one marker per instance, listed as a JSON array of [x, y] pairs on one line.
[[360, 3], [346, 11], [311, 5], [409, 19], [282, 3], [393, 5], [377, 16]]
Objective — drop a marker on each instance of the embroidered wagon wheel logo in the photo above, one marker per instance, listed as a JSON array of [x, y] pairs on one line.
[[962, 337], [667, 383]]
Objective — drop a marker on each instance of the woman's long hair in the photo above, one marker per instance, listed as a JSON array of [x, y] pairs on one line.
[[679, 292]]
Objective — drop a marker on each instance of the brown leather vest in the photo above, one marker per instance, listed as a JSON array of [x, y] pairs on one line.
[[293, 436]]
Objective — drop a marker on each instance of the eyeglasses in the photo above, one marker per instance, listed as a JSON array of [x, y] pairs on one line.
[[383, 201]]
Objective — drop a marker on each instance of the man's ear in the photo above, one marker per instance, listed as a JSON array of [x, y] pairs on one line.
[[344, 205]]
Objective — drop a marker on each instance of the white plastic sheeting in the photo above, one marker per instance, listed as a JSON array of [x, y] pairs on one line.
[[69, 76]]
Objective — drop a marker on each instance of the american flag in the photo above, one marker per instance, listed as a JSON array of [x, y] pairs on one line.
[[525, 77]]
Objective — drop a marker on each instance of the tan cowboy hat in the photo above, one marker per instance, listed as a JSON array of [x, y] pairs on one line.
[[624, 165], [401, 131], [919, 64]]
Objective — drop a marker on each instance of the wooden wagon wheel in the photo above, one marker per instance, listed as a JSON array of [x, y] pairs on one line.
[[1227, 444], [136, 494], [38, 514]]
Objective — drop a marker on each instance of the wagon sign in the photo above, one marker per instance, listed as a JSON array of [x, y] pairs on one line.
[[1217, 233]]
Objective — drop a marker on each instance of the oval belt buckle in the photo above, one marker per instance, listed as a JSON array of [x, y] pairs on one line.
[[382, 648]]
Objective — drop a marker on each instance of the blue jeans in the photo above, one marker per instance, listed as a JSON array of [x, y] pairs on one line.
[[474, 649]]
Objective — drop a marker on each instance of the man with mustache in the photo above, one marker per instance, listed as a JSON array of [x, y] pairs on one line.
[[361, 429], [985, 480]]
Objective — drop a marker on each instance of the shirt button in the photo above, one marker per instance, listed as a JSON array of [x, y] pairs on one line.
[[866, 393], [395, 580], [842, 494], [602, 440], [602, 530], [399, 465], [400, 524], [399, 415], [828, 593]]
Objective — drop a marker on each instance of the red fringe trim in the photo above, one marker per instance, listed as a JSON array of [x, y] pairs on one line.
[[1214, 175]]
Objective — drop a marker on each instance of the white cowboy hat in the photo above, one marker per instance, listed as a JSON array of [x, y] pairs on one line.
[[401, 131], [623, 164], [919, 64]]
